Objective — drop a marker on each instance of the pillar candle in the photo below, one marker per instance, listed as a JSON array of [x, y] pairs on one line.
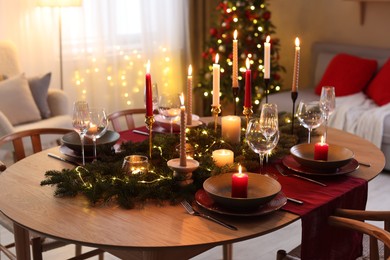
[[267, 57], [240, 184], [189, 96], [321, 150], [148, 92], [296, 66], [223, 157], [235, 61], [183, 157], [231, 129], [248, 85], [216, 69]]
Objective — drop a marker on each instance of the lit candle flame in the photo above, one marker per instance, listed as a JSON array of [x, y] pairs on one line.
[[297, 42], [235, 34], [181, 97], [322, 139], [239, 169], [189, 70], [216, 58], [268, 39], [248, 64], [148, 67]]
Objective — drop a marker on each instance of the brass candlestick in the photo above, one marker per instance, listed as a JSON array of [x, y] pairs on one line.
[[215, 110], [149, 121], [247, 113], [294, 96]]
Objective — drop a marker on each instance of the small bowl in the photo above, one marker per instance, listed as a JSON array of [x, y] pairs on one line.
[[338, 156], [261, 189], [72, 140]]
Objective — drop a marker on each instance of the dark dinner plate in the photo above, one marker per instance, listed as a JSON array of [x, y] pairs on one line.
[[72, 141]]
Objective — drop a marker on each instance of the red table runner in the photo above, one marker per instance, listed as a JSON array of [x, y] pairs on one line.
[[319, 240]]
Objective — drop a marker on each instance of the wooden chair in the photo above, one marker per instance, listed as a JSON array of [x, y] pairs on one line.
[[39, 244], [117, 118], [354, 220]]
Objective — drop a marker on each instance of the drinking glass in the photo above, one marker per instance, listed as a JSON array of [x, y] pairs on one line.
[[154, 97], [261, 139], [169, 107], [97, 126], [80, 122], [269, 120], [310, 115], [328, 104]]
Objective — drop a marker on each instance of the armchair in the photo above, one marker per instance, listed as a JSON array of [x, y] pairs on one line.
[[28, 102]]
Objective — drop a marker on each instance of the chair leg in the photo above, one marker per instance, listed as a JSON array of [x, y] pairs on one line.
[[228, 252], [36, 245], [77, 250], [281, 254]]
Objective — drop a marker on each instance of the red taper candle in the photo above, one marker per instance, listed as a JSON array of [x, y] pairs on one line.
[[148, 91], [248, 85]]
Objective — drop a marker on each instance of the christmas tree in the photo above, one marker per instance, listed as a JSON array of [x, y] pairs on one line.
[[252, 20]]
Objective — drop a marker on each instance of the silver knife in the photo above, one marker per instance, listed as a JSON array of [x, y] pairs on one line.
[[281, 170], [62, 159]]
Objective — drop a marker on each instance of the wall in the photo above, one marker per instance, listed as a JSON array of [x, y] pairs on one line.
[[325, 20]]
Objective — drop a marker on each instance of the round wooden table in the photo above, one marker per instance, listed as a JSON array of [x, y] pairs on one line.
[[153, 232]]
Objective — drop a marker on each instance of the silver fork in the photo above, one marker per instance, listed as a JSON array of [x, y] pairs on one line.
[[282, 172], [193, 212]]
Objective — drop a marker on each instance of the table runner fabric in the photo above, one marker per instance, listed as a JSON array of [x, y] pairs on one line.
[[319, 240]]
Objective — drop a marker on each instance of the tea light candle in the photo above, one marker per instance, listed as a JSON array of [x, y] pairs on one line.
[[231, 129], [321, 150], [222, 157], [92, 129], [239, 184]]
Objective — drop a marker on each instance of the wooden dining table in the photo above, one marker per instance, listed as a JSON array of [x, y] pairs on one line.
[[149, 232]]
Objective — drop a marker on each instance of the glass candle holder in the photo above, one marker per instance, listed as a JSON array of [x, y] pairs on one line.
[[135, 164]]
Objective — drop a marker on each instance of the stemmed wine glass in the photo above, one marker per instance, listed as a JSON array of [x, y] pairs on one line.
[[169, 107], [80, 122], [261, 139], [310, 115], [328, 104], [269, 120], [154, 96], [97, 126]]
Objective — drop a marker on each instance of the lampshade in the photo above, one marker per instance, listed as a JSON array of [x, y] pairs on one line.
[[59, 3]]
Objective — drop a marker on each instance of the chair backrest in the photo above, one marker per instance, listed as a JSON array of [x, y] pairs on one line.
[[34, 135], [116, 118], [353, 219]]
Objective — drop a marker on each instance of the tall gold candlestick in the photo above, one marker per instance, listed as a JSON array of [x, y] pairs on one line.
[[215, 110], [247, 112], [149, 121]]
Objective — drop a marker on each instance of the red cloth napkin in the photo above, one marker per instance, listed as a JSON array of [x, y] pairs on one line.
[[128, 135], [319, 240]]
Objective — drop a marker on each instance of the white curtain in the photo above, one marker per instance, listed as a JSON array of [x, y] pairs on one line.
[[105, 46]]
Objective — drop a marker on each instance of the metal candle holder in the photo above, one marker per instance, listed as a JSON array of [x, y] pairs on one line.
[[266, 81], [235, 95], [149, 121], [215, 110], [247, 113], [294, 96]]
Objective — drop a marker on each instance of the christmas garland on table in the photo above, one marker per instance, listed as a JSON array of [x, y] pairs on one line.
[[105, 180]]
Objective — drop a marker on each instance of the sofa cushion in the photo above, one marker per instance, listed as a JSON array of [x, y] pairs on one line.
[[379, 88], [39, 87], [348, 74], [17, 102]]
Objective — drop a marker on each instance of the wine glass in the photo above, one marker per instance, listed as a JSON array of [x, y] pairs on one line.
[[269, 120], [97, 126], [169, 107], [154, 96], [261, 139], [310, 115], [328, 104], [80, 122]]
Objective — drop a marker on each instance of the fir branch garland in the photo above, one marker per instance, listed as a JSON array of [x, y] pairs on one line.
[[105, 180]]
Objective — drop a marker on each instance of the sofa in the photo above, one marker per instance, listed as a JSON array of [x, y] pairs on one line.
[[27, 102], [361, 76]]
